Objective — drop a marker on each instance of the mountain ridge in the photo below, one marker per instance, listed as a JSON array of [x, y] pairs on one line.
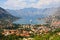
[[33, 12], [5, 15]]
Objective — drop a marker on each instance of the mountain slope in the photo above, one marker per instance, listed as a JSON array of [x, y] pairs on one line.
[[57, 13], [33, 12], [6, 16], [54, 17]]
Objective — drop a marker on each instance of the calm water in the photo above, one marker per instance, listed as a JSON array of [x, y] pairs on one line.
[[29, 21]]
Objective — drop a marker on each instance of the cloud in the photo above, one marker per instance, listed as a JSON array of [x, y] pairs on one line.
[[19, 4], [43, 3], [15, 4]]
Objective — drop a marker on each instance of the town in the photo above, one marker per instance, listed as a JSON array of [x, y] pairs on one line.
[[28, 31]]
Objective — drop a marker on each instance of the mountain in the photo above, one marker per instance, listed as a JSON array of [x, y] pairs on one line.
[[6, 16], [29, 13], [34, 13], [54, 17], [57, 13], [13, 12]]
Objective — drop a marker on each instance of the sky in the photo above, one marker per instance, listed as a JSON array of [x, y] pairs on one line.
[[20, 4]]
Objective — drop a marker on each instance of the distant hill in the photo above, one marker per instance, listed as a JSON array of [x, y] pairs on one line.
[[54, 17], [57, 13], [6, 16], [33, 12]]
